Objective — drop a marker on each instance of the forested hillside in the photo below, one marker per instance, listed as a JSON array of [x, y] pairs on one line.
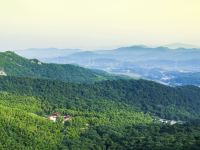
[[21, 128], [96, 123], [117, 114], [158, 100], [12, 64], [24, 123]]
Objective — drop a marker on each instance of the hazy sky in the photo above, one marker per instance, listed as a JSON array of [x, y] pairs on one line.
[[96, 24]]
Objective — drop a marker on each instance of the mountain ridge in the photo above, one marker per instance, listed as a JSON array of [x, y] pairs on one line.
[[15, 65]]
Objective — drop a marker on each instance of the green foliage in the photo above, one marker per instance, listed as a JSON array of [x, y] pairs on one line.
[[159, 100], [139, 137], [22, 130], [26, 103], [18, 111], [109, 113], [14, 65]]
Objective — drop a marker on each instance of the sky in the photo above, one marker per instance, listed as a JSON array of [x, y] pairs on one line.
[[97, 24]]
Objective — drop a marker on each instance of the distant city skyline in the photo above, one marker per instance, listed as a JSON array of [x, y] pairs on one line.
[[97, 24]]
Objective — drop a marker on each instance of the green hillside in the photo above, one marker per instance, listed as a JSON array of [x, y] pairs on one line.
[[95, 124], [25, 103], [12, 64], [106, 115], [158, 100], [24, 123]]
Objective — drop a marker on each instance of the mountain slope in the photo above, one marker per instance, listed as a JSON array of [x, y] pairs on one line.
[[14, 65], [22, 130], [104, 116], [159, 100]]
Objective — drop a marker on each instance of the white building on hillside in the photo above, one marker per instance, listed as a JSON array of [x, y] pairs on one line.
[[56, 115], [2, 73]]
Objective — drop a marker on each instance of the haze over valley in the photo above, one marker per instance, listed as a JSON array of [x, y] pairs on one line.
[[180, 66]]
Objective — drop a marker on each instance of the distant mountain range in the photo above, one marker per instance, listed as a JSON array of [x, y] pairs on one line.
[[161, 64], [180, 45]]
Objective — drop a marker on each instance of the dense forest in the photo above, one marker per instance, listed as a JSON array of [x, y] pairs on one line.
[[179, 103], [21, 128], [105, 125], [107, 112]]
